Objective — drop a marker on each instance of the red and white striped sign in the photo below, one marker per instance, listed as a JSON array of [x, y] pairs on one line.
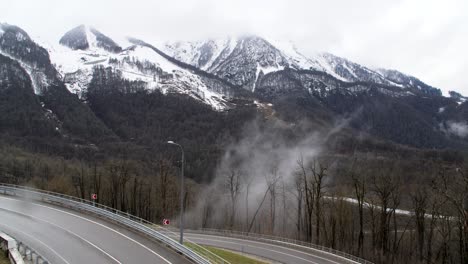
[[166, 222]]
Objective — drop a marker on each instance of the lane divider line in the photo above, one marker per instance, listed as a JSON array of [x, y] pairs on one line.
[[36, 239], [99, 224], [257, 242], [279, 252], [66, 231]]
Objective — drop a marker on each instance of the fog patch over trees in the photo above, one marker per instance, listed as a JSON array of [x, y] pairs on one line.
[[459, 129], [257, 176]]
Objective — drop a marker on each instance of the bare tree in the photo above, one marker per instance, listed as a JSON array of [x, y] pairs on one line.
[[308, 188], [360, 190], [284, 212], [233, 186], [97, 181], [248, 182], [385, 184], [267, 191], [163, 172], [258, 209], [452, 184], [319, 172], [207, 209], [81, 181], [272, 179], [419, 199], [299, 198]]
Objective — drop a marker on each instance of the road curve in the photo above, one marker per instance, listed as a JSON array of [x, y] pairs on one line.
[[276, 253], [66, 236]]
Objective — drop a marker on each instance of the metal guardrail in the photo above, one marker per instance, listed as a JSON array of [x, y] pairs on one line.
[[281, 241], [214, 258], [18, 252], [30, 255], [9, 244], [103, 211]]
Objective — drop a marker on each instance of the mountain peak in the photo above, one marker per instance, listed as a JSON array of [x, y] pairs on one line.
[[84, 37], [458, 97], [408, 81], [76, 38], [18, 32]]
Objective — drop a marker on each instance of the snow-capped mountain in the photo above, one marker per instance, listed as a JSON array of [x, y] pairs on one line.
[[112, 77], [84, 37], [460, 99], [16, 44], [243, 60], [33, 94], [83, 48], [408, 81], [238, 60]]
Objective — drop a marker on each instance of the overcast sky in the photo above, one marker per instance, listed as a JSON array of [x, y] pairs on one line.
[[427, 39]]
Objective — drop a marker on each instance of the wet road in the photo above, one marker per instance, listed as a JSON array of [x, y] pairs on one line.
[[65, 236], [273, 252]]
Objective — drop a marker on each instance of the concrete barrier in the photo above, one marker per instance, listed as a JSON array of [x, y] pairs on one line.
[[18, 252]]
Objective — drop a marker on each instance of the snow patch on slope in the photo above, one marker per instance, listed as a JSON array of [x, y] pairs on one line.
[[328, 67], [378, 207], [218, 60], [295, 58], [76, 69], [38, 78], [90, 38], [219, 47], [202, 54]]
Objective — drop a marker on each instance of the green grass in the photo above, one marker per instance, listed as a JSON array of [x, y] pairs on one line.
[[229, 256]]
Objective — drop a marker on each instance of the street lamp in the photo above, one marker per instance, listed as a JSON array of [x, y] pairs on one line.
[[181, 219]]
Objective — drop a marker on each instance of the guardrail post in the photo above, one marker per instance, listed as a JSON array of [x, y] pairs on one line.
[[28, 254]]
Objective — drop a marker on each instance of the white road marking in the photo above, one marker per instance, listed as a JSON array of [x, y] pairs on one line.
[[34, 238], [279, 252], [66, 231], [256, 242], [96, 223]]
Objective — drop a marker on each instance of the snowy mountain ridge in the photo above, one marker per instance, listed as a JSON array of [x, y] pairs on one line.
[[246, 61], [83, 48], [40, 75], [248, 75], [231, 56]]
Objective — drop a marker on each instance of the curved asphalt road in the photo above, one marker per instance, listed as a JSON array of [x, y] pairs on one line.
[[65, 236], [276, 253]]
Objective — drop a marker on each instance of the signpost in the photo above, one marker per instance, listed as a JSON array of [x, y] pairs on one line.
[[94, 198], [166, 222]]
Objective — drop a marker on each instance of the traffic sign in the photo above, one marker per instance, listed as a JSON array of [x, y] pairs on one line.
[[166, 222], [94, 196]]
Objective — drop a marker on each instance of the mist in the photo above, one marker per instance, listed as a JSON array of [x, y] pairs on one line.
[[257, 176], [459, 129]]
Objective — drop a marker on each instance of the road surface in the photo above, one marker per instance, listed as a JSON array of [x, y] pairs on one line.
[[65, 236], [276, 253]]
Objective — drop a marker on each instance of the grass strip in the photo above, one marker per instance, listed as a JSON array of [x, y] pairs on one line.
[[231, 257]]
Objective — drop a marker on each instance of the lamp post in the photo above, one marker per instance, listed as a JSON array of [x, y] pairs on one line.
[[181, 219]]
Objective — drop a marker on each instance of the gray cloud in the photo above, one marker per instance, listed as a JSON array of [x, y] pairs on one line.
[[423, 38]]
